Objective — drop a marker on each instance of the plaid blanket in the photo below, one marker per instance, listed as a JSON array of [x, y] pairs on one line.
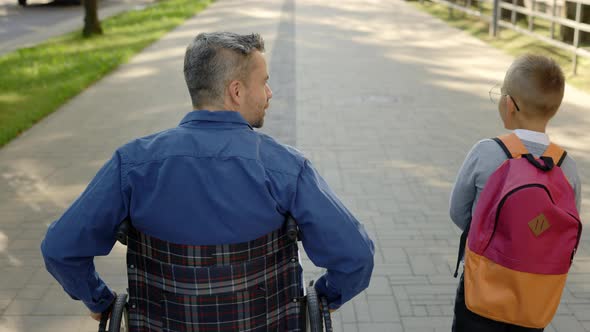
[[251, 286]]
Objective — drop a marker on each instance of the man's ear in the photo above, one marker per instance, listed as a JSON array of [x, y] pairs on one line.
[[235, 92]]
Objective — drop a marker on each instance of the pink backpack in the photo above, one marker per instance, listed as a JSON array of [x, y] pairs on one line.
[[522, 238]]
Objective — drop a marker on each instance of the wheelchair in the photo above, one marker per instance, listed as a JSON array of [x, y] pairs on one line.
[[315, 314]]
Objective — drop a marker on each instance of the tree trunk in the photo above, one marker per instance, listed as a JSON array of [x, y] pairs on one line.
[[91, 22]]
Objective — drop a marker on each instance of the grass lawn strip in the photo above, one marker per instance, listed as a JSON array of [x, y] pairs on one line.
[[36, 81]]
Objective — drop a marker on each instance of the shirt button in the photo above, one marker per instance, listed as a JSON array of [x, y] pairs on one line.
[[133, 306], [131, 266], [293, 260]]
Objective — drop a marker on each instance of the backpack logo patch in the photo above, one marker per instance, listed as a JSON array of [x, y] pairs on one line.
[[539, 225]]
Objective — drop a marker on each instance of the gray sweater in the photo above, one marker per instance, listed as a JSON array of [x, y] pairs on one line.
[[483, 159]]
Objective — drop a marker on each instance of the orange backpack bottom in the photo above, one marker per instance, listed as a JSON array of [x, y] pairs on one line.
[[499, 293]]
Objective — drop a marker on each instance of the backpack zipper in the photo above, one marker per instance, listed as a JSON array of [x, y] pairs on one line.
[[531, 185]]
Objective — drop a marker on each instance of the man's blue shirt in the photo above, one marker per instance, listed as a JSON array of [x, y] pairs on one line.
[[211, 180]]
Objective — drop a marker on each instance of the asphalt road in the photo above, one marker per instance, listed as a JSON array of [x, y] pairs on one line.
[[43, 19]]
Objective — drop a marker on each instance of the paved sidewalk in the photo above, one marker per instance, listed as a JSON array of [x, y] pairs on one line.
[[385, 101]]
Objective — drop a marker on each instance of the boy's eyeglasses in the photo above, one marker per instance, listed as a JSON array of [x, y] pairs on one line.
[[496, 94]]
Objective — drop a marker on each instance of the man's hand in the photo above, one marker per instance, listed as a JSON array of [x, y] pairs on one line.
[[96, 316]]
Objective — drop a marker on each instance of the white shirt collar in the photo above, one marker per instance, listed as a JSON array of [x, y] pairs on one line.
[[532, 136]]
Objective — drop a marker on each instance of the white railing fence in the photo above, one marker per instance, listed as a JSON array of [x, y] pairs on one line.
[[549, 14]]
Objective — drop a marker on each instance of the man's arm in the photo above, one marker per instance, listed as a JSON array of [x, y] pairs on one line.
[[332, 238], [87, 229]]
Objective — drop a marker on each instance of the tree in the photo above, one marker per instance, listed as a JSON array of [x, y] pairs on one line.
[[91, 22]]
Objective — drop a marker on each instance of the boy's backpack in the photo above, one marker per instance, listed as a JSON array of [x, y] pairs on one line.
[[524, 234]]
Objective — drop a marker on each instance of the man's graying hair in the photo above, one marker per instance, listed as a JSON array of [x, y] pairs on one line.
[[214, 59]]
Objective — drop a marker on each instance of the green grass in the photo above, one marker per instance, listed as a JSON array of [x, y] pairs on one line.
[[515, 43], [36, 81]]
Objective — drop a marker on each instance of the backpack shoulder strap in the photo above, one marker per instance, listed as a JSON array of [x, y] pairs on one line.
[[556, 153], [512, 145]]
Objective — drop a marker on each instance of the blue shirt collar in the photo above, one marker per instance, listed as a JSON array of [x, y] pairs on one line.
[[216, 116]]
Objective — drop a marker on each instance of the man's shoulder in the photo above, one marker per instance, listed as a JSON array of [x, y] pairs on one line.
[[144, 148], [278, 156], [272, 154]]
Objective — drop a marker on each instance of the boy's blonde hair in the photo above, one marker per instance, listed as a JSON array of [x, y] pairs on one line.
[[537, 83]]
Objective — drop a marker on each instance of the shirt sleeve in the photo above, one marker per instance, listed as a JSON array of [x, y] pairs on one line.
[[464, 191], [87, 229], [332, 238], [570, 170], [578, 191]]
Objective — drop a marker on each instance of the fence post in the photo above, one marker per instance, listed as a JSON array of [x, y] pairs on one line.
[[513, 15], [495, 17], [553, 12], [532, 16], [577, 34]]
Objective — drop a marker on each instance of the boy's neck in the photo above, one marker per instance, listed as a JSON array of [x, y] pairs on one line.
[[532, 128], [538, 125]]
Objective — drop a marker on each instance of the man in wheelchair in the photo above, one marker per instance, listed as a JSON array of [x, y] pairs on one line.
[[209, 248]]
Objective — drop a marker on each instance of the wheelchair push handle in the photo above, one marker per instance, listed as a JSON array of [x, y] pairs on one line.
[[292, 230], [123, 231]]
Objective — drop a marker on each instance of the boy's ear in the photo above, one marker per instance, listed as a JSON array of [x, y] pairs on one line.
[[510, 106]]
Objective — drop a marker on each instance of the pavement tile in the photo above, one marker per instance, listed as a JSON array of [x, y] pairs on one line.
[[362, 89]]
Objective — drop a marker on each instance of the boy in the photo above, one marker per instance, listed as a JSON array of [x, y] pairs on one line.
[[530, 96]]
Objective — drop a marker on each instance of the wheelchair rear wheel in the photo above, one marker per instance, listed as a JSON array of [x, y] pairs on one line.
[[314, 315], [118, 317]]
